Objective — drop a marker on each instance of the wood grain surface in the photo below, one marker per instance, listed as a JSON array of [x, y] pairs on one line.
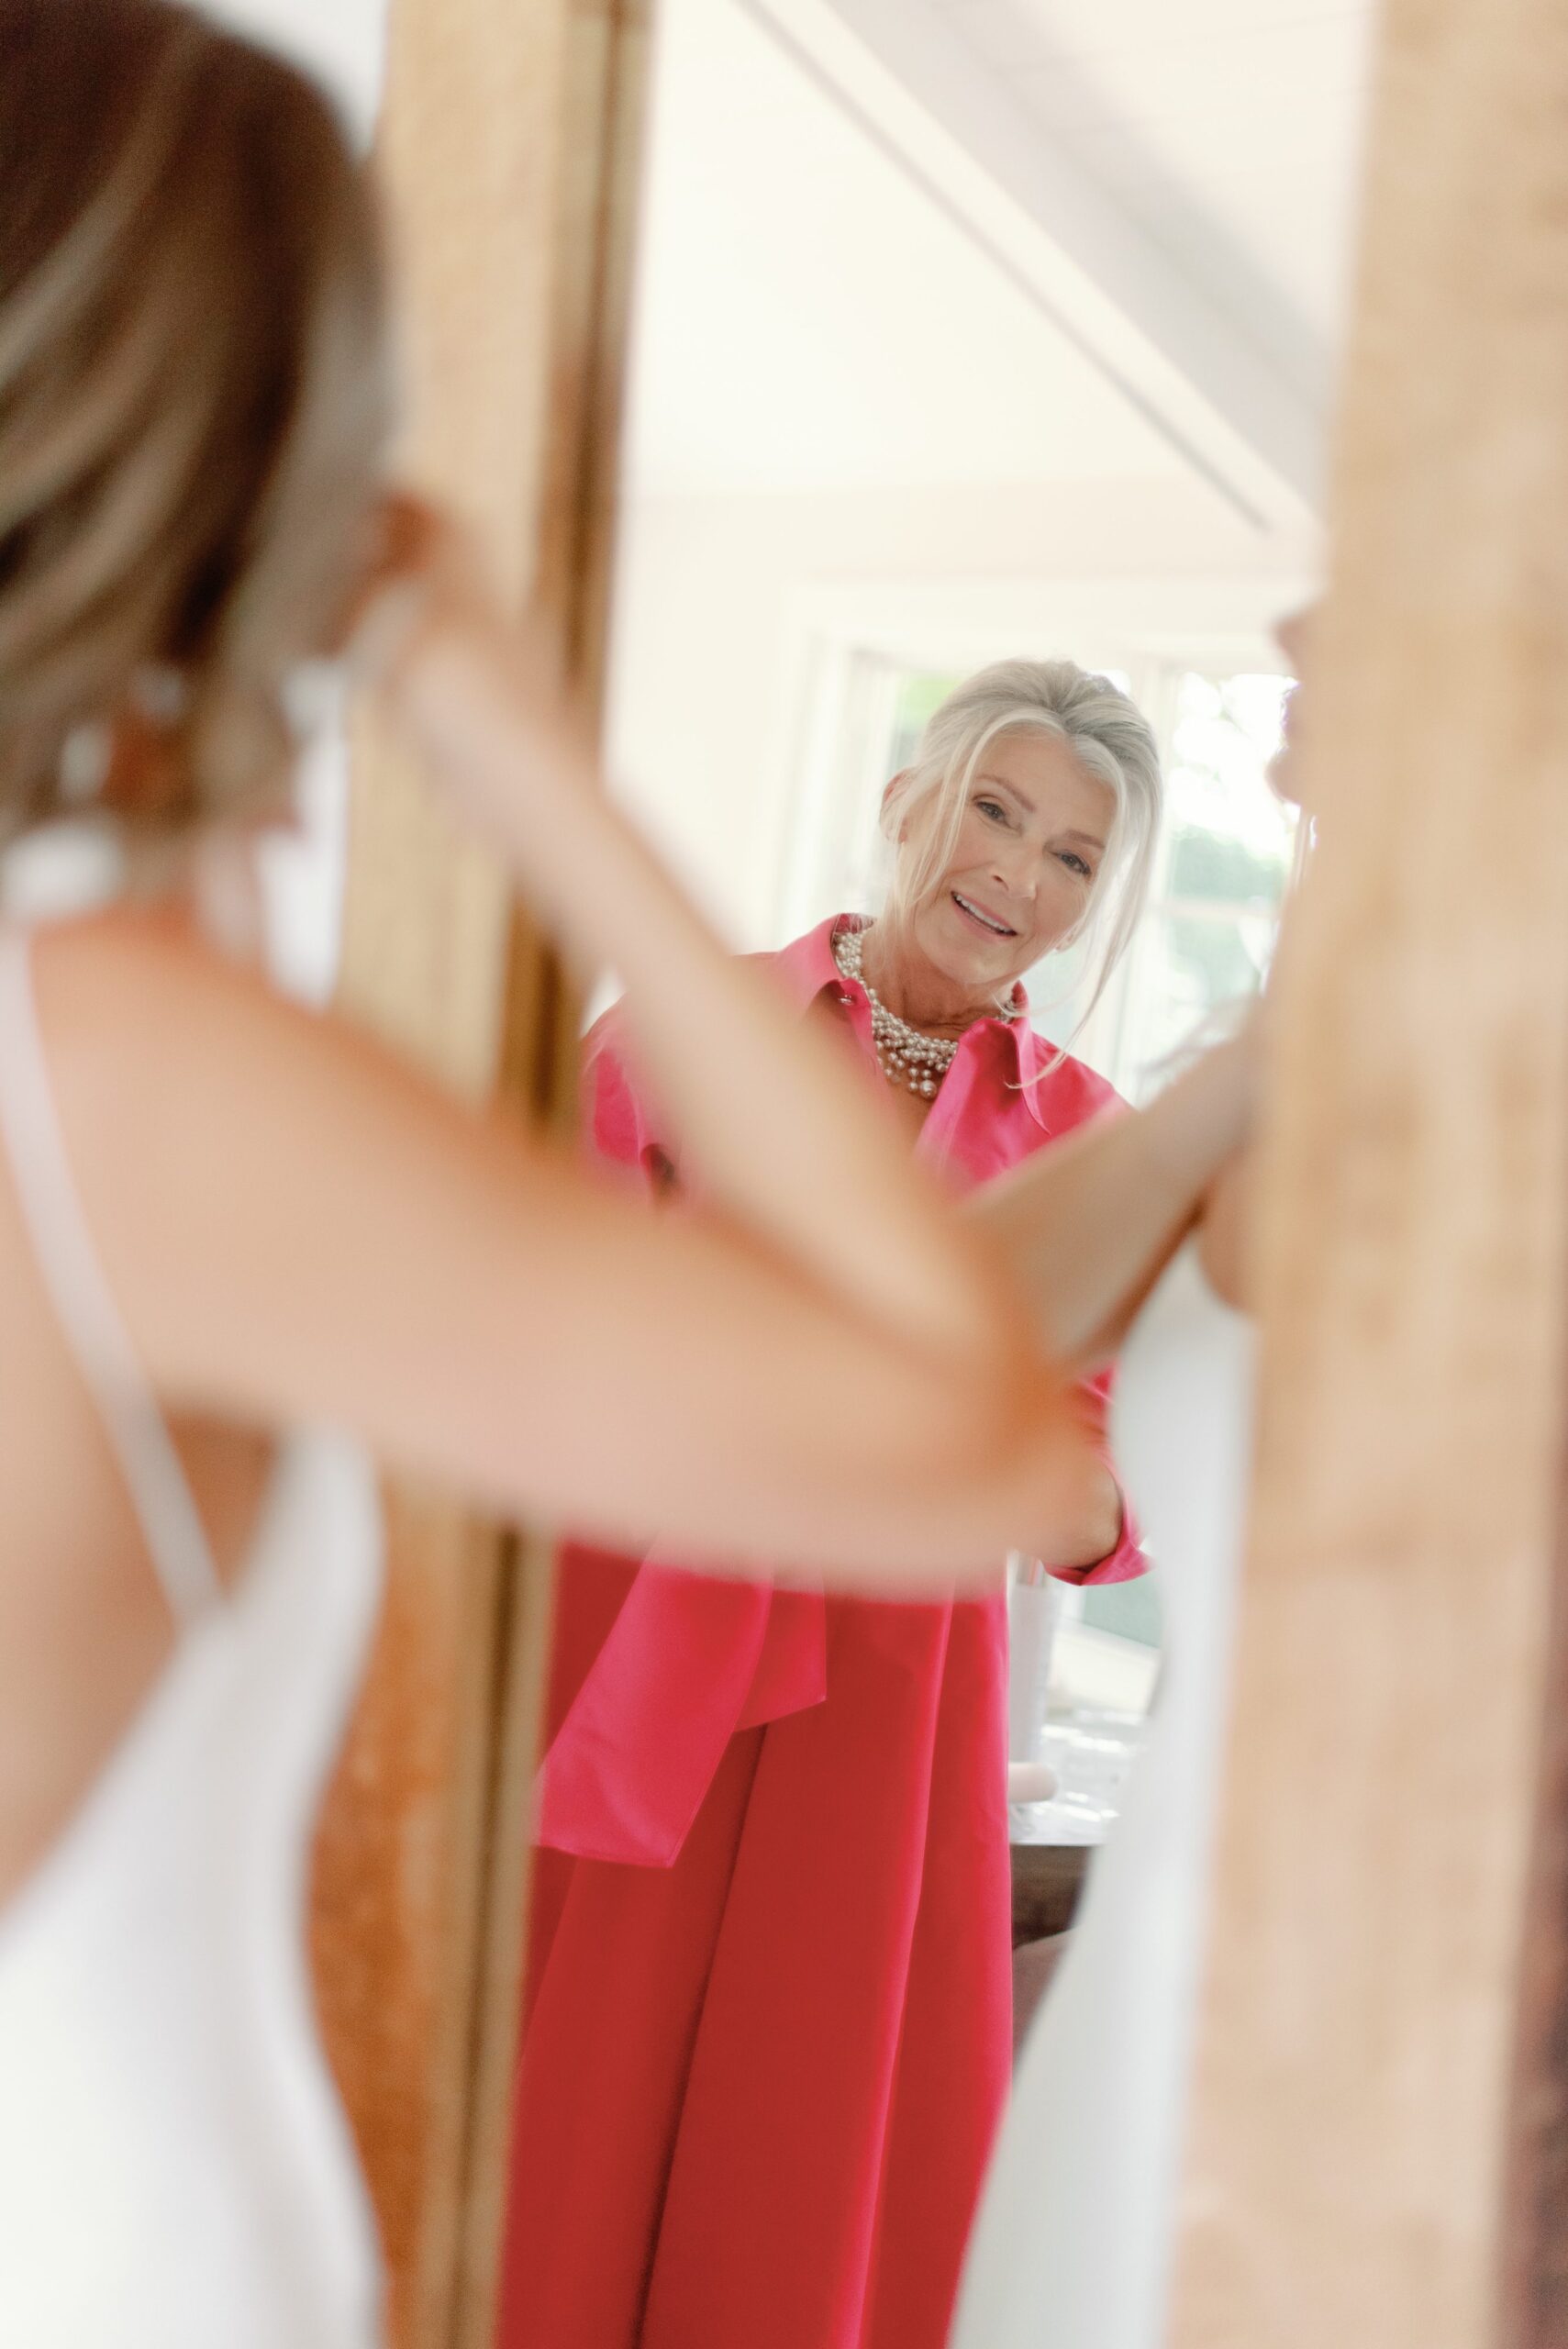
[[508, 152], [1345, 2177]]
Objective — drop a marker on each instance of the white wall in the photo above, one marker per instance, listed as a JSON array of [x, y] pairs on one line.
[[720, 602]]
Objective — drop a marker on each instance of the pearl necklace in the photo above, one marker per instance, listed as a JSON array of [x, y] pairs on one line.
[[903, 1055]]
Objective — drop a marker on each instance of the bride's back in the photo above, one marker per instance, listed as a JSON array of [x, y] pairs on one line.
[[192, 416], [169, 2144], [85, 1625], [193, 410]]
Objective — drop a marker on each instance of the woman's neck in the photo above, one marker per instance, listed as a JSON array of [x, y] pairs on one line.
[[914, 989]]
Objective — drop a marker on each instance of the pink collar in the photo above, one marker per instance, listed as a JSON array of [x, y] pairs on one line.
[[807, 969]]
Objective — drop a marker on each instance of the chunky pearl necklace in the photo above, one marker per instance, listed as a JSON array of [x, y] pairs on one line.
[[903, 1055]]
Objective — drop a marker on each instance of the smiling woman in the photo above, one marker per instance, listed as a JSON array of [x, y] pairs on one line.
[[1027, 819], [768, 2018]]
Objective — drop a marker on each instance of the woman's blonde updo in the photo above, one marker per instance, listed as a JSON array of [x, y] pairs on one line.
[[194, 399], [1109, 736]]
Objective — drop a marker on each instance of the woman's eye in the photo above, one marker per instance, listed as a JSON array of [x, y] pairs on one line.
[[1076, 863], [993, 808]]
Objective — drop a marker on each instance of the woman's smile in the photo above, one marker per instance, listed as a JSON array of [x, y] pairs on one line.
[[982, 919]]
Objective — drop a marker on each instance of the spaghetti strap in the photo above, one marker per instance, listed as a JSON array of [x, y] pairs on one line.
[[63, 1245]]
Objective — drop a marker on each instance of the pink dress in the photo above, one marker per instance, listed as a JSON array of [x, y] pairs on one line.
[[768, 2018]]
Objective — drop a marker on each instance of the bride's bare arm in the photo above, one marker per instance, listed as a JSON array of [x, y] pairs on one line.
[[297, 1228], [770, 1114], [1088, 1225]]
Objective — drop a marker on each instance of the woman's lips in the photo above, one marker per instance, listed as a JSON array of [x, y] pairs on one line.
[[987, 925]]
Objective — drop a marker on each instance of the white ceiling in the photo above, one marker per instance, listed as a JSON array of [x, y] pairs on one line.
[[809, 319], [830, 300], [1232, 127], [815, 314]]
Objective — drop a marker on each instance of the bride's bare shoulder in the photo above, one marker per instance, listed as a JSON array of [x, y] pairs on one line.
[[135, 1004], [130, 969]]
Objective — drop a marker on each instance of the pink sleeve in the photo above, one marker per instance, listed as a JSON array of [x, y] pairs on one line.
[[1129, 1559], [617, 1123], [686, 1659], [1085, 1099]]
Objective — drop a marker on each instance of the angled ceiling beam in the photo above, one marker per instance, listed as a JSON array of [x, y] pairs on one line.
[[1246, 406]]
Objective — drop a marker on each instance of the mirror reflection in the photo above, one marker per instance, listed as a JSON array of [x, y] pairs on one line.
[[885, 1351], [973, 452]]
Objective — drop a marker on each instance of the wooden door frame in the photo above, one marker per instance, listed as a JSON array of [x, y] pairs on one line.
[[509, 153], [1364, 2060]]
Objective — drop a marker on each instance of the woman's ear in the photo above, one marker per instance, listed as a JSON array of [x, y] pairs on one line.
[[888, 790]]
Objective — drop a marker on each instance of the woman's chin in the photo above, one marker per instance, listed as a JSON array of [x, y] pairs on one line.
[[972, 969], [960, 967]]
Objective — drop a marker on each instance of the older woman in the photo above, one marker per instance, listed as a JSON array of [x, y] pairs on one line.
[[767, 2032]]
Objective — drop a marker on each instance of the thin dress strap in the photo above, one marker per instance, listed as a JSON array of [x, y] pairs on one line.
[[68, 1261]]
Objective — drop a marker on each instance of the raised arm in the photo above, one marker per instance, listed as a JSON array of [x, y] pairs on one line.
[[771, 1116], [299, 1228], [1088, 1225]]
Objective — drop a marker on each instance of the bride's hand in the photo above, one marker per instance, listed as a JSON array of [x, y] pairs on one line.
[[423, 578], [459, 672]]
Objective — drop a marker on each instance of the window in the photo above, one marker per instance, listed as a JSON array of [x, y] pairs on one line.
[[1221, 867]]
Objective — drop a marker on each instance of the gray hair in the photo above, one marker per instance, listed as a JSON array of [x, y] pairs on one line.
[[1108, 735]]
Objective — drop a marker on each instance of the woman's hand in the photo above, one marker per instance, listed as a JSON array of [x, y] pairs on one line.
[[461, 674], [1098, 1531], [424, 576]]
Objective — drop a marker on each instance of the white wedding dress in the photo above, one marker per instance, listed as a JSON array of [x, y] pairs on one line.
[[175, 2169], [1072, 2248]]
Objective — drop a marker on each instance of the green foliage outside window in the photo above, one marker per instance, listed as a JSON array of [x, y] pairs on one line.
[[1218, 869]]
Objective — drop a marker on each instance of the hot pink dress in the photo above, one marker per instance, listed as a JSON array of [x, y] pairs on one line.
[[768, 2016]]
